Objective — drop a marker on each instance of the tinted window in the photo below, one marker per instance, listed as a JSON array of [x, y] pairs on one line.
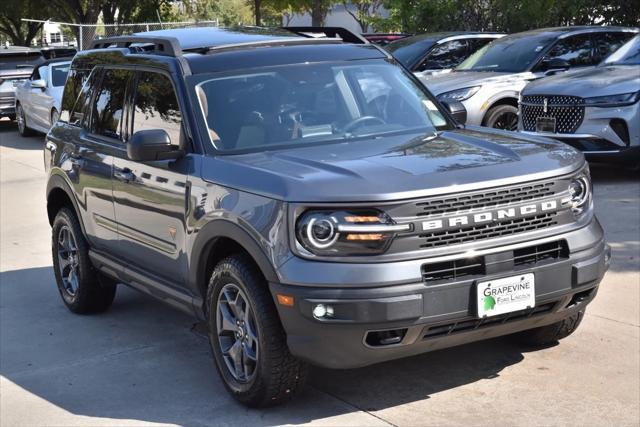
[[59, 74], [607, 43], [476, 44], [514, 54], [108, 107], [575, 50], [13, 60], [156, 105], [36, 74], [445, 55], [76, 97], [629, 54], [410, 50]]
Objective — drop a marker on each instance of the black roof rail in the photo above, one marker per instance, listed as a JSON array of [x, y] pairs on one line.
[[168, 46], [332, 32]]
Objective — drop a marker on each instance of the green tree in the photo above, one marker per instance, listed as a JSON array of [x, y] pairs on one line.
[[17, 31], [365, 13]]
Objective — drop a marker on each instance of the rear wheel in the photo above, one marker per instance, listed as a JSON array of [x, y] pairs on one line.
[[81, 287], [247, 339], [550, 334], [502, 117], [23, 130]]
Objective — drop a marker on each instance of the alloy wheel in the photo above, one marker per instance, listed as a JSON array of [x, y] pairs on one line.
[[20, 119], [506, 121], [237, 333], [68, 260]]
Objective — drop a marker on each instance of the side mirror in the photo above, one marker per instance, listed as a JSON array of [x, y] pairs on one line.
[[152, 145], [39, 84], [457, 110], [555, 64]]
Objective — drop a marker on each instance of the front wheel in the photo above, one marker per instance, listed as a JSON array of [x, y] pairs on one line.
[[550, 334], [502, 117], [247, 340]]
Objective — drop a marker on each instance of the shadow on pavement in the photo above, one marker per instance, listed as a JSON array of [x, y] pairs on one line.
[[30, 143], [141, 360]]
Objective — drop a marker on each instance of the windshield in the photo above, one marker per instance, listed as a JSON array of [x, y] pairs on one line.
[[314, 103], [628, 54], [512, 54], [409, 51], [12, 61], [59, 74]]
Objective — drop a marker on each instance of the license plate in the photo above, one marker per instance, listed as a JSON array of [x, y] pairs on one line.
[[505, 295], [546, 124]]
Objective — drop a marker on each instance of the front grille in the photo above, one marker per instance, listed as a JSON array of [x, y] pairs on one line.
[[567, 110], [487, 231], [485, 200], [474, 324], [469, 268]]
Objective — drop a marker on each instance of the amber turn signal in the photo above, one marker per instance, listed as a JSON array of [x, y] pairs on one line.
[[285, 300]]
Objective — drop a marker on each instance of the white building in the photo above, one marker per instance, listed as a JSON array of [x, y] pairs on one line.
[[338, 16]]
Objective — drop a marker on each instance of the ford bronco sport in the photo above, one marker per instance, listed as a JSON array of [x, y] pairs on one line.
[[311, 201]]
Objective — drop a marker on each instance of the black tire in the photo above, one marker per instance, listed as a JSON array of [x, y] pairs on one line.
[[502, 117], [12, 117], [90, 292], [276, 376], [550, 334], [21, 119]]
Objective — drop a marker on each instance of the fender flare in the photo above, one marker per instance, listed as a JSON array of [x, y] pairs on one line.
[[57, 182], [225, 228]]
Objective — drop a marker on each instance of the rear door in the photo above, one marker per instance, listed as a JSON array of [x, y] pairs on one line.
[[150, 198]]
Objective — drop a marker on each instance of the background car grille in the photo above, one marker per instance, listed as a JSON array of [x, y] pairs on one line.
[[567, 110]]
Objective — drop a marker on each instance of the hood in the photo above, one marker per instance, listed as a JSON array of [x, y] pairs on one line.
[[441, 83], [596, 81], [394, 168]]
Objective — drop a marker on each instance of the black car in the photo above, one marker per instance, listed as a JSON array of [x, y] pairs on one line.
[[16, 65], [311, 201], [434, 53]]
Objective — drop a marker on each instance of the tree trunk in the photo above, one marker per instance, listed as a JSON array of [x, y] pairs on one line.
[[318, 13], [257, 6]]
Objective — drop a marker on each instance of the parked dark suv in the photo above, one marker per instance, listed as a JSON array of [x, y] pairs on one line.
[[311, 201]]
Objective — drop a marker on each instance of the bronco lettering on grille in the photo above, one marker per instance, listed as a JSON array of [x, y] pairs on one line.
[[490, 216]]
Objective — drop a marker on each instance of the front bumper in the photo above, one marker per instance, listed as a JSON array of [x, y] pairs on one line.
[[430, 316]]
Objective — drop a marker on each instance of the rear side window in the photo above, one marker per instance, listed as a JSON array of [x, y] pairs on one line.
[[446, 55], [607, 43], [108, 107], [156, 105], [73, 89], [576, 50]]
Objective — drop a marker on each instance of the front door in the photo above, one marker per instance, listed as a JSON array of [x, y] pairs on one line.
[[150, 197]]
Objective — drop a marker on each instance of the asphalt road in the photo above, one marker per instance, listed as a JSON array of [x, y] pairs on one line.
[[143, 363]]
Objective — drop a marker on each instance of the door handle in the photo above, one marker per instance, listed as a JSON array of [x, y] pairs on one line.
[[124, 175]]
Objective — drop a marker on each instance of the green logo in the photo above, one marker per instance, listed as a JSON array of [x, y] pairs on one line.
[[489, 303]]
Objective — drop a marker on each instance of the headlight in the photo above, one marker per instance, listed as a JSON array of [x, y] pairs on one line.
[[459, 94], [580, 192], [613, 100], [347, 233]]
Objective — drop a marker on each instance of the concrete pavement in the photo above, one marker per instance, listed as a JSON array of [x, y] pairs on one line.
[[142, 363]]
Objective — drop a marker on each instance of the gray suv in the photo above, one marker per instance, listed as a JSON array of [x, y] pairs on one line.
[[310, 201], [596, 110], [488, 83]]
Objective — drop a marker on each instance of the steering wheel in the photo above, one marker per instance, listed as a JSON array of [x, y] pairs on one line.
[[360, 120]]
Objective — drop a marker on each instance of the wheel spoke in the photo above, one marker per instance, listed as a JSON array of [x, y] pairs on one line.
[[226, 320], [235, 354]]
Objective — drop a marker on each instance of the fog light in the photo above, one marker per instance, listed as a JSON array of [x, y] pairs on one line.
[[321, 311]]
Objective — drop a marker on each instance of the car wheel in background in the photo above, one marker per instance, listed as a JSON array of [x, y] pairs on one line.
[[23, 130], [550, 334], [54, 117], [247, 340], [502, 117]]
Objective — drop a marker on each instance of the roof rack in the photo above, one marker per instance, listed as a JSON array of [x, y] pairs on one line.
[[331, 32], [168, 46]]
